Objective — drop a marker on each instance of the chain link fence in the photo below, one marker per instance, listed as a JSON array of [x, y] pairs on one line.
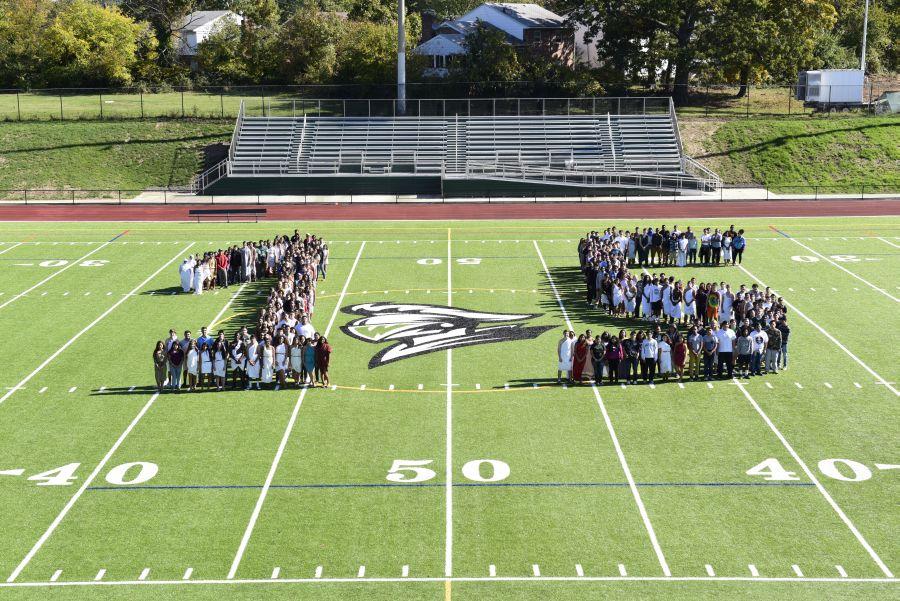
[[709, 100]]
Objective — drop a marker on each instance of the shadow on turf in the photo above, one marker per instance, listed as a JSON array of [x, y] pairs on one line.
[[572, 289]]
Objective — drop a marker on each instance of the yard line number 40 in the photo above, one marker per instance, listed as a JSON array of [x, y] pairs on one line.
[[125, 474], [845, 470]]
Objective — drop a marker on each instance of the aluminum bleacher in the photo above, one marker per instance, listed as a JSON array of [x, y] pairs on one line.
[[639, 150]]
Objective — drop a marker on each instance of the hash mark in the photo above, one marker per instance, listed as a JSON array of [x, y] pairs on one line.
[[827, 385], [622, 571], [768, 385], [799, 385], [144, 573], [100, 575], [535, 569], [318, 571], [404, 573], [857, 384], [73, 389], [187, 574], [276, 572], [841, 571], [492, 570], [797, 571], [56, 576], [753, 571], [709, 570], [362, 572], [579, 571], [42, 390]]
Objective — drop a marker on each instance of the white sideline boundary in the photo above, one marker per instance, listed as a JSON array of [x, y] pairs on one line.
[[847, 271], [815, 481], [257, 509], [71, 340], [651, 533], [875, 374], [479, 579], [448, 459], [55, 273]]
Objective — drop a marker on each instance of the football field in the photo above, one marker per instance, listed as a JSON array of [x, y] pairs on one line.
[[452, 474]]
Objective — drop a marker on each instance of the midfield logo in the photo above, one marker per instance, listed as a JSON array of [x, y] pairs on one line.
[[421, 329]]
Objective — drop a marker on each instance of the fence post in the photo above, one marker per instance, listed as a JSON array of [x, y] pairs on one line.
[[119, 192], [871, 94], [748, 98], [707, 99], [221, 105], [862, 192], [18, 106], [141, 93], [262, 95], [182, 103], [101, 105], [60, 108], [790, 98]]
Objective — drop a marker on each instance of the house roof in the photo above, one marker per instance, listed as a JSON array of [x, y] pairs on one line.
[[443, 44], [198, 19], [529, 15]]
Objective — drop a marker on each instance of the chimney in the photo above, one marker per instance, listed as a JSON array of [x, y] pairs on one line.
[[429, 18]]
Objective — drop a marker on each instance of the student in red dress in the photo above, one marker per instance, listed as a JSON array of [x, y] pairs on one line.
[[580, 358], [679, 356], [323, 358]]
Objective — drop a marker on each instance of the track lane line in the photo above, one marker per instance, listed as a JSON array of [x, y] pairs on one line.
[[651, 533], [850, 354], [71, 340], [809, 474], [263, 493]]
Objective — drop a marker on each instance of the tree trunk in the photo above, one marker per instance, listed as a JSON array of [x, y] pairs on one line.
[[684, 58], [745, 81]]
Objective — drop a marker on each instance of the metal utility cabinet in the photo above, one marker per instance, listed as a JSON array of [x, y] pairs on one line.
[[831, 89]]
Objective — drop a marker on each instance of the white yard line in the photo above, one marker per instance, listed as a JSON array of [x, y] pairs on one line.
[[91, 325], [809, 473], [830, 337], [448, 460], [84, 485], [885, 240], [225, 308], [612, 433], [56, 273], [257, 509], [6, 250], [848, 272], [663, 580]]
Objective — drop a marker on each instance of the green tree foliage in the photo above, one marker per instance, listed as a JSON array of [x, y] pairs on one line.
[[165, 17], [219, 56], [307, 46], [22, 25], [490, 61]]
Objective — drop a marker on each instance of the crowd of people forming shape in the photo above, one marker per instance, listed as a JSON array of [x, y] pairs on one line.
[[724, 332], [284, 344]]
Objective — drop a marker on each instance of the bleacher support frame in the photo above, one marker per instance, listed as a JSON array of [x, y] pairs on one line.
[[638, 149]]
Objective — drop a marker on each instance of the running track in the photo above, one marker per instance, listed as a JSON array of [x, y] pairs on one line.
[[464, 210]]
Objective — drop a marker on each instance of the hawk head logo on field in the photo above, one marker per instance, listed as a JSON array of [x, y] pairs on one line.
[[419, 329]]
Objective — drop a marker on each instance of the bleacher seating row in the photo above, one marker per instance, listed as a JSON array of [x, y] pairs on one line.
[[448, 145]]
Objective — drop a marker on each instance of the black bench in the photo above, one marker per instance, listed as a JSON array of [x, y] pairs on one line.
[[228, 214]]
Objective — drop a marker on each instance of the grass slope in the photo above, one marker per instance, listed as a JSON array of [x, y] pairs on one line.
[[841, 152], [131, 155]]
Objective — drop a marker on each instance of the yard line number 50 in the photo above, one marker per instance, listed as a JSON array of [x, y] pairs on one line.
[[411, 471]]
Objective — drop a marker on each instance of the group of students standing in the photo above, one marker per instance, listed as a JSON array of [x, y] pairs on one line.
[[727, 332], [284, 344]]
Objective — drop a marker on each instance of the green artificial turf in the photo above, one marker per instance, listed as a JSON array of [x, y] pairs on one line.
[[567, 503]]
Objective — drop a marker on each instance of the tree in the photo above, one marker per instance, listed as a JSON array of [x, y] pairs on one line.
[[489, 62], [166, 17], [772, 39], [367, 54], [88, 44], [219, 56], [307, 46], [22, 25]]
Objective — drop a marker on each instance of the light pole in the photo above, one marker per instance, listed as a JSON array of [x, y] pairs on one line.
[[401, 57], [862, 58]]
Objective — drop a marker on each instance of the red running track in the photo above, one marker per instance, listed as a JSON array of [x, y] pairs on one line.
[[463, 210]]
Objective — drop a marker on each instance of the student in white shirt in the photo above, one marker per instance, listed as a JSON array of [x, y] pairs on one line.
[[760, 340], [649, 357], [726, 338]]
